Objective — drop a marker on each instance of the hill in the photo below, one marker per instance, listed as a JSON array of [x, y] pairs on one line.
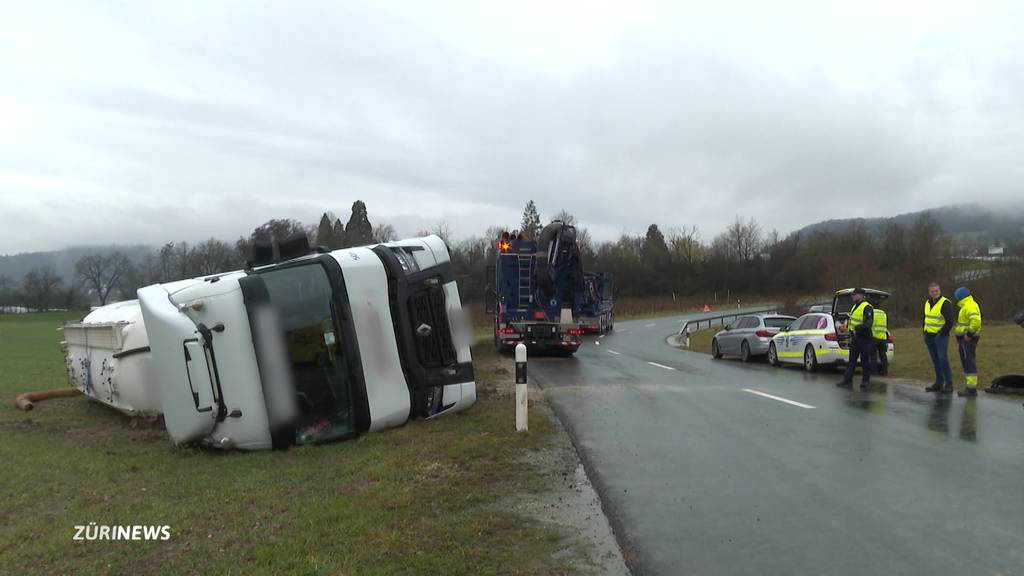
[[967, 223], [15, 266]]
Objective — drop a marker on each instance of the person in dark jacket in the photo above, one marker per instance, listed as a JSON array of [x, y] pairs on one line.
[[940, 316], [862, 343]]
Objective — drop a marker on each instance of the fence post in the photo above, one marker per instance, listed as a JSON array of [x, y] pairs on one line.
[[521, 387]]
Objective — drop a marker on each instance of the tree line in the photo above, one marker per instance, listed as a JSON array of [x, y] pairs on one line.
[[102, 278], [743, 261]]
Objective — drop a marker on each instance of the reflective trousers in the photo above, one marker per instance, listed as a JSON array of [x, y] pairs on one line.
[[968, 348]]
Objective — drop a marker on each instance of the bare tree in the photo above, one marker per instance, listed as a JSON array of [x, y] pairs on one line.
[[6, 292], [565, 217], [102, 273], [685, 244], [741, 241], [444, 231], [39, 288], [212, 256], [167, 272], [182, 256], [384, 232]]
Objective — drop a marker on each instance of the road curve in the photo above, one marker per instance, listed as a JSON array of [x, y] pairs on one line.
[[719, 467]]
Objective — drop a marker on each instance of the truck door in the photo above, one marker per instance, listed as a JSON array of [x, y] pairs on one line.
[[184, 374]]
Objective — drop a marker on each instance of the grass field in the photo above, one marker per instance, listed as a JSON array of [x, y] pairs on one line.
[[423, 499], [1000, 352]]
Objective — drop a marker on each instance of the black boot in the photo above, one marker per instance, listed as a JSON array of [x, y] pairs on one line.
[[968, 392], [947, 389], [865, 385], [936, 387]]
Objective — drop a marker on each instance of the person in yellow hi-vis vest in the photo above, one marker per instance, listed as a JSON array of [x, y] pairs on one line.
[[862, 343], [968, 332], [880, 333]]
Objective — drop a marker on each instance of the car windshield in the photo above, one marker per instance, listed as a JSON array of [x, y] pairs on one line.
[[778, 322], [304, 301]]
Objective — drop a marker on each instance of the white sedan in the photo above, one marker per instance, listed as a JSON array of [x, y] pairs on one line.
[[814, 340]]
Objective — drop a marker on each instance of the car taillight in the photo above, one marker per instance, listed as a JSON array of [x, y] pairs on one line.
[[507, 331], [763, 334], [831, 336], [574, 331]]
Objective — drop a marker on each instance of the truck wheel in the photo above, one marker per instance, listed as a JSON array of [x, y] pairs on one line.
[[716, 353], [773, 355], [810, 359], [744, 352]]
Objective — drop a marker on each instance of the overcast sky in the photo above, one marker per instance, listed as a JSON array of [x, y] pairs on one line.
[[144, 122]]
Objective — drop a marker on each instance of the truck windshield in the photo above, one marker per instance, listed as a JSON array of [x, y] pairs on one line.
[[304, 301]]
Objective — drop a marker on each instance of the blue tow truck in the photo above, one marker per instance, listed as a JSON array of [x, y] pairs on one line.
[[597, 314], [535, 290]]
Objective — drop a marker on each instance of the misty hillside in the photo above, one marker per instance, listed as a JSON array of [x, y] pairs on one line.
[[968, 222], [62, 261]]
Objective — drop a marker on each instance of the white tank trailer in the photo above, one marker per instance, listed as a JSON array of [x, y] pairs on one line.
[[303, 347]]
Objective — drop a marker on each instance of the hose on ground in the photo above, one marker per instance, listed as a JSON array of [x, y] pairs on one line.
[[27, 400]]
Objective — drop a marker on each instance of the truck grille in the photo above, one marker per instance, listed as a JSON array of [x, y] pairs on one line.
[[434, 348]]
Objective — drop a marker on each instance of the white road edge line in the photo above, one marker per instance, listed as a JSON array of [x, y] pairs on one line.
[[613, 352], [649, 325], [661, 366], [766, 395]]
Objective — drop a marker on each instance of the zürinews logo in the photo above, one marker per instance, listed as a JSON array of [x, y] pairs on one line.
[[92, 531]]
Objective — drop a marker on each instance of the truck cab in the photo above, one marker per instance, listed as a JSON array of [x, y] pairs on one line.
[[306, 347]]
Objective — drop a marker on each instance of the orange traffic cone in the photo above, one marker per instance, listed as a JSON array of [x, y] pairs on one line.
[[707, 308]]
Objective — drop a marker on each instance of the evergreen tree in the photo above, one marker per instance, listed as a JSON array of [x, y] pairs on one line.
[[338, 234], [655, 250], [358, 232], [530, 225], [325, 232]]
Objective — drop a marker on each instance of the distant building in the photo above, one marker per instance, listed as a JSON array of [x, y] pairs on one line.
[[996, 251]]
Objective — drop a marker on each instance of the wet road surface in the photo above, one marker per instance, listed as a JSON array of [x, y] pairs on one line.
[[717, 467]]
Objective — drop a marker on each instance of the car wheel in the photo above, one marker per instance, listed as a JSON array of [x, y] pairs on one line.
[[810, 359], [715, 352], [745, 352], [773, 355]]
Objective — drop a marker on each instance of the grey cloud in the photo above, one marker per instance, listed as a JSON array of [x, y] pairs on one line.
[[229, 117]]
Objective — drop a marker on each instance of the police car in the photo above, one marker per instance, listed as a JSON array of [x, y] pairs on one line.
[[819, 338]]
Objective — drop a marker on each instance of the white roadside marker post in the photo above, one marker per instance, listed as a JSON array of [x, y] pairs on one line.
[[521, 401]]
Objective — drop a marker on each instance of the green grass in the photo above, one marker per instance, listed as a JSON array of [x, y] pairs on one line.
[[423, 499], [999, 353]]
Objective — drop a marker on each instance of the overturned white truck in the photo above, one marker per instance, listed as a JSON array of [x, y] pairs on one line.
[[305, 347]]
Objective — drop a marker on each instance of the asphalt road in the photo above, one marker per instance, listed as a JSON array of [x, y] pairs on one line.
[[701, 473]]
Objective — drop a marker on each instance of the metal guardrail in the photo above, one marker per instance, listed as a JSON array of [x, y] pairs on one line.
[[695, 324]]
